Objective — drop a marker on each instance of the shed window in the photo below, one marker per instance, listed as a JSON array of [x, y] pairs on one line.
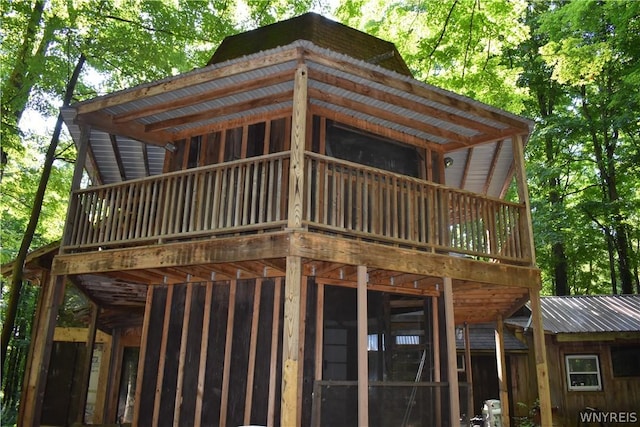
[[583, 373], [626, 361]]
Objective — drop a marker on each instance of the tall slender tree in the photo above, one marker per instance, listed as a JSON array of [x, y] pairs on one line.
[[594, 46]]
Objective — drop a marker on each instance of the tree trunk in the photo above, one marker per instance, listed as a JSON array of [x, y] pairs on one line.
[[604, 146], [16, 278], [14, 91]]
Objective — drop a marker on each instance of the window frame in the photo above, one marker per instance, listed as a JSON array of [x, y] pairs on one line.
[[569, 373]]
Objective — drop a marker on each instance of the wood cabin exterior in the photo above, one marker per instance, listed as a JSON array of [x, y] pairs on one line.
[[293, 232], [593, 351]]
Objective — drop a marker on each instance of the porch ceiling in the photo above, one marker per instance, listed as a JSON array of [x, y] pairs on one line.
[[130, 129], [122, 294]]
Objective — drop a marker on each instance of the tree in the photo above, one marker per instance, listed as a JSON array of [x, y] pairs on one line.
[[122, 44], [594, 46], [455, 44]]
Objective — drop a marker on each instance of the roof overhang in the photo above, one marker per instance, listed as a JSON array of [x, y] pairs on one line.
[[130, 129]]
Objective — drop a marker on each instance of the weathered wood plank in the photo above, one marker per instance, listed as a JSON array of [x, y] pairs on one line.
[[363, 354], [335, 249], [291, 328], [231, 249], [298, 134], [452, 372], [542, 372]]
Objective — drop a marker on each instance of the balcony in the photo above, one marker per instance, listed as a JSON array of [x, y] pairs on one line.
[[342, 198]]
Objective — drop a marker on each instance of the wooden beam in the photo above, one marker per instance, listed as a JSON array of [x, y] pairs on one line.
[[436, 359], [452, 369], [182, 355], [85, 133], [253, 340], [387, 115], [501, 364], [240, 107], [88, 359], [39, 352], [468, 370], [217, 92], [229, 249], [363, 353], [542, 372], [146, 325], [198, 76], [204, 348], [335, 249], [163, 352], [228, 348], [420, 89], [400, 101], [523, 195], [273, 363], [298, 135], [291, 333], [319, 332]]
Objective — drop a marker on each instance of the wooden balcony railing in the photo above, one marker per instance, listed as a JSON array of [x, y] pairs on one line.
[[340, 197], [375, 204], [231, 197]]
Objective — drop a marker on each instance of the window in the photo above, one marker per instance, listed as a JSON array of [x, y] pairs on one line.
[[583, 373], [626, 361]]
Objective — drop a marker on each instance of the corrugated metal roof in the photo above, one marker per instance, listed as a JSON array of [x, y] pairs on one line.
[[173, 108], [591, 313]]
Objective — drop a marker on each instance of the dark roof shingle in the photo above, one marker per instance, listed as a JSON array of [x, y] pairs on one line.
[[319, 30]]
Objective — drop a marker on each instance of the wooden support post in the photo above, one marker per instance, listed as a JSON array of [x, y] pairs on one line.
[[40, 352], [469, 370], [298, 134], [363, 352], [523, 196], [81, 156], [290, 344], [88, 361], [271, 404], [319, 332], [452, 369], [228, 348], [502, 372], [542, 372], [436, 359]]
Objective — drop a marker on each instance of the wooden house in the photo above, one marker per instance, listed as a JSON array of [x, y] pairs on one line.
[[593, 350], [294, 231]]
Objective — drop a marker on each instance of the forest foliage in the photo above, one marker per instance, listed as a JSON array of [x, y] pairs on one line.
[[571, 66]]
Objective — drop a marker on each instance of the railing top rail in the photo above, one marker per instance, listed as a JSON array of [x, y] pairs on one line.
[[280, 154], [406, 178]]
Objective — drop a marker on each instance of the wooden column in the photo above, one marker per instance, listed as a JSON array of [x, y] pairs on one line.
[[542, 373], [88, 361], [452, 369], [363, 352], [298, 136], [523, 196], [468, 369], [502, 372], [40, 352], [436, 359], [290, 343], [85, 132]]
